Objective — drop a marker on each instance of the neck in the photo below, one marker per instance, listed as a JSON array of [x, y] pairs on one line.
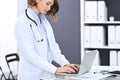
[[35, 9]]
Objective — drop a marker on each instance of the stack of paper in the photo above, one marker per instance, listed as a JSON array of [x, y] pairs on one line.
[[90, 76]]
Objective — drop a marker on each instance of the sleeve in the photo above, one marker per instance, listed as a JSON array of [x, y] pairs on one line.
[[57, 56], [26, 46]]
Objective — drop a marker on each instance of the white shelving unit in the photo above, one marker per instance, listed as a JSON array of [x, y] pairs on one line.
[[105, 24]]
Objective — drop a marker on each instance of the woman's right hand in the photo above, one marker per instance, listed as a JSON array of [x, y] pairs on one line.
[[65, 69]]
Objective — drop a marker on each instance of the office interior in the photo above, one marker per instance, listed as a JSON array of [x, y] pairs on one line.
[[66, 29]]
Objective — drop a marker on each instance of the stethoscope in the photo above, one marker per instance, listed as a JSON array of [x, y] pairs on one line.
[[32, 28]]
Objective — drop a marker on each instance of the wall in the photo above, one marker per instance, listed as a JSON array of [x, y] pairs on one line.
[[8, 16], [21, 6], [113, 8], [67, 29]]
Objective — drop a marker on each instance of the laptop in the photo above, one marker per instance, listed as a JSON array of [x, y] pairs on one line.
[[88, 61], [86, 64]]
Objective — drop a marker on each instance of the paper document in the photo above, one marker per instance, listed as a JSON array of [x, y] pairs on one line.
[[91, 76]]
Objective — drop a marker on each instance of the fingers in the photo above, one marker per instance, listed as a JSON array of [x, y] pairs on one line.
[[68, 68], [76, 67], [65, 70]]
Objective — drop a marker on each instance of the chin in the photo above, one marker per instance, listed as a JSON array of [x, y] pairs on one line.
[[44, 13]]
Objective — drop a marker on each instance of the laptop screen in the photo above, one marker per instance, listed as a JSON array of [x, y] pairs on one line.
[[87, 61]]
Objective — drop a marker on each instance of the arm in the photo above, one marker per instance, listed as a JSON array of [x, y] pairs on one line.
[[57, 56]]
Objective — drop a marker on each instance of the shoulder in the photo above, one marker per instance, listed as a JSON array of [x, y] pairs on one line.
[[21, 23], [21, 19]]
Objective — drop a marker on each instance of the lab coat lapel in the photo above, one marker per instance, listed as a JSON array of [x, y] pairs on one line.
[[49, 33]]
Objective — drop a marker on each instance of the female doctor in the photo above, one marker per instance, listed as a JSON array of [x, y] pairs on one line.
[[36, 43]]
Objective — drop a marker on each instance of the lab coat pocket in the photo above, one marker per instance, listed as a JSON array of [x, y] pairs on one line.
[[41, 47]]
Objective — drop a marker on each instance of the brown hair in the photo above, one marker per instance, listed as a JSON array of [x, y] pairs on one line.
[[53, 11]]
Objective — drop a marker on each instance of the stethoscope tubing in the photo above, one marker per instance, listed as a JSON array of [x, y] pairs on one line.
[[32, 27]]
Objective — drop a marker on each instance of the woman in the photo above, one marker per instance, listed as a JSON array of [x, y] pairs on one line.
[[36, 43]]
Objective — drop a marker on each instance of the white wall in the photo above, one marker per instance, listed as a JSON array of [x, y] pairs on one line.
[[21, 6], [8, 16], [10, 10]]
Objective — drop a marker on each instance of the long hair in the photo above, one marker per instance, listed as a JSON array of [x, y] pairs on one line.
[[53, 11]]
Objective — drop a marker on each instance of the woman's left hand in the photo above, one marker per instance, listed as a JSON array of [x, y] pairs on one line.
[[76, 67]]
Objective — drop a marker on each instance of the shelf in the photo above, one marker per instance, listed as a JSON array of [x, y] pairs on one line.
[[97, 25], [103, 47], [103, 23]]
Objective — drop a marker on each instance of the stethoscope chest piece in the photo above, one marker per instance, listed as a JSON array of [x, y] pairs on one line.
[[30, 19]]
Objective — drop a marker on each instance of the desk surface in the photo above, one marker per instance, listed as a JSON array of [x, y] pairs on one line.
[[68, 78], [96, 69]]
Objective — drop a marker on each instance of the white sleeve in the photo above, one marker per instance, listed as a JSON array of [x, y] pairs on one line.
[[57, 56]]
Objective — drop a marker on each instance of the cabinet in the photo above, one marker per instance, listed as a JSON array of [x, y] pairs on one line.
[[99, 30]]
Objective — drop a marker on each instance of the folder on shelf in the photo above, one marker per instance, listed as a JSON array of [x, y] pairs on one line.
[[118, 36], [113, 58], [102, 11], [111, 35], [93, 36], [90, 11], [100, 38], [118, 58], [87, 36]]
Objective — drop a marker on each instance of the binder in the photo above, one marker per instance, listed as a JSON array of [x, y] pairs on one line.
[[90, 11], [111, 36], [118, 58], [113, 58], [87, 36], [118, 36], [100, 38], [102, 11], [93, 36]]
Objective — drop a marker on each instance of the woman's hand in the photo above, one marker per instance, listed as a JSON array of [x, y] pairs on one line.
[[76, 67], [65, 69], [68, 68]]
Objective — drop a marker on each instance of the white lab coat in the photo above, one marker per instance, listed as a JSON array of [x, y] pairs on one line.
[[35, 57]]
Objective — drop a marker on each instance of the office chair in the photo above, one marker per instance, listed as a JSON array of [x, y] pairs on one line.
[[2, 75], [9, 59]]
